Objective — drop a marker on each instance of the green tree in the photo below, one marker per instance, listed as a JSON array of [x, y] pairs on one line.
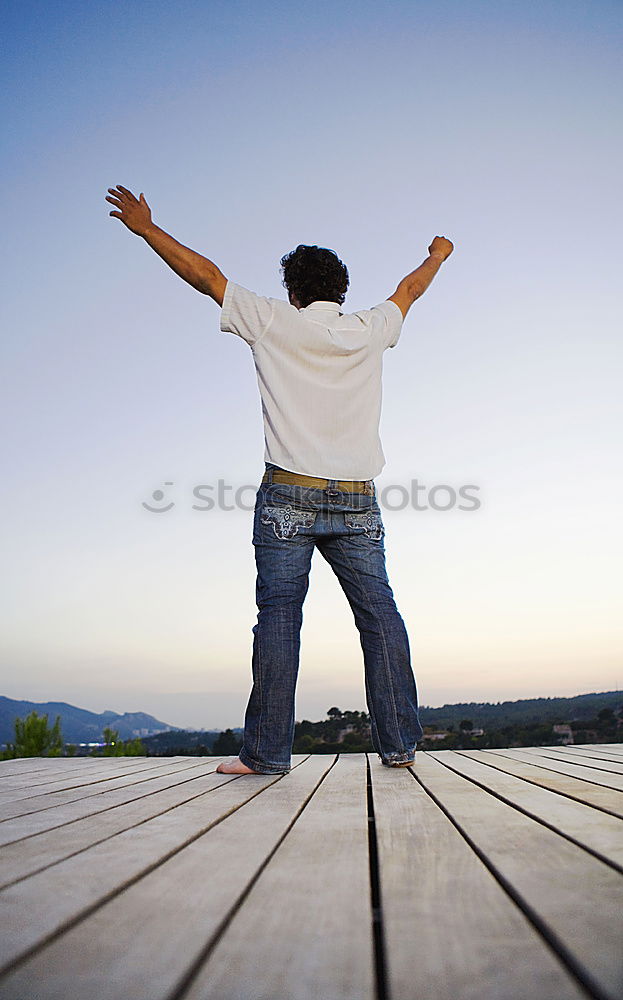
[[114, 747], [334, 713], [111, 742], [606, 715], [356, 743], [132, 748], [304, 744], [466, 724], [34, 738], [226, 744]]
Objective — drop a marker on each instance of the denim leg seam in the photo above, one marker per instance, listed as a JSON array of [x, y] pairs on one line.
[[385, 655], [260, 693]]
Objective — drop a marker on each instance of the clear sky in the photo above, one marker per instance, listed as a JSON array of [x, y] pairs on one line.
[[368, 128]]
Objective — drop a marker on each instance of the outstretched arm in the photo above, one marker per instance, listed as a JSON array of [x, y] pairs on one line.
[[198, 271], [416, 283]]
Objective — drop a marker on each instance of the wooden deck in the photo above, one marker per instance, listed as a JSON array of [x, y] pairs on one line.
[[473, 875]]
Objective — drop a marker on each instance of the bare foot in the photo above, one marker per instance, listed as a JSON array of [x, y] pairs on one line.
[[235, 766]]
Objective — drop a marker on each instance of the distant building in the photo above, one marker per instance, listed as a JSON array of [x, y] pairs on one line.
[[565, 731], [154, 732], [342, 733], [443, 734]]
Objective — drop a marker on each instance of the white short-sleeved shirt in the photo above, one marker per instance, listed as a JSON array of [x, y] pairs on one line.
[[319, 373]]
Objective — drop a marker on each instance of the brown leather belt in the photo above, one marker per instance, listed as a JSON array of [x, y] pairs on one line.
[[298, 479]]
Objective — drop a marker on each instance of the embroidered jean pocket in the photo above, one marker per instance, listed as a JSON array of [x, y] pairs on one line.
[[286, 520], [369, 522]]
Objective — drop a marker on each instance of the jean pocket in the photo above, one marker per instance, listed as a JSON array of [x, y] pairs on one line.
[[367, 522], [286, 520]]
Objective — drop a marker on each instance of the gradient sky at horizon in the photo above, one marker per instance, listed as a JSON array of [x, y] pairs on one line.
[[368, 128]]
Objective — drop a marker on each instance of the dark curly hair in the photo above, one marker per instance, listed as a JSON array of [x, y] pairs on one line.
[[312, 273]]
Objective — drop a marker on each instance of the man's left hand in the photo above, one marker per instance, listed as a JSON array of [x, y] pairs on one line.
[[135, 213]]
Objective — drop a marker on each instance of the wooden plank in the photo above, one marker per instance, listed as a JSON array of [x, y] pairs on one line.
[[81, 770], [579, 752], [47, 766], [27, 795], [87, 790], [74, 770], [607, 799], [42, 904], [305, 929], [593, 829], [451, 931], [556, 880], [23, 775], [30, 854], [16, 765], [563, 767], [608, 747], [142, 942], [594, 763], [24, 764], [72, 808]]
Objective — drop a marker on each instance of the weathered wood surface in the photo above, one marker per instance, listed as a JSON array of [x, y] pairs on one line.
[[473, 875], [563, 765], [607, 799], [589, 761]]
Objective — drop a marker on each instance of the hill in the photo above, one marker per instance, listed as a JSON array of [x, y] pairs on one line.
[[78, 725], [493, 715]]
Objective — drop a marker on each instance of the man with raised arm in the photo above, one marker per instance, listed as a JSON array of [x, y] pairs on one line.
[[319, 373]]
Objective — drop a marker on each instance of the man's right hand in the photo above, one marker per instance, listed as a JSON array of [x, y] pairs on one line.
[[440, 247], [416, 283]]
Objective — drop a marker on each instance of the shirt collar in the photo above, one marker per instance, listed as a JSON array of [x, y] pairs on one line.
[[323, 306]]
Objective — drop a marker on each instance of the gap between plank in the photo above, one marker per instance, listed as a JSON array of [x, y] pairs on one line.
[[583, 977], [569, 760], [378, 928], [83, 914], [182, 987], [95, 780], [57, 805], [544, 767], [537, 784], [102, 840], [538, 819]]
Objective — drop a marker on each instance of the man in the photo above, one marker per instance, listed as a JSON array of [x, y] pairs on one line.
[[319, 375]]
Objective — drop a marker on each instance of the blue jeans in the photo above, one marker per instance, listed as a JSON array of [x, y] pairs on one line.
[[289, 522]]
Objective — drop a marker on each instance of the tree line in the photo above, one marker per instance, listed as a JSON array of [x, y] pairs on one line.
[[340, 732], [34, 737]]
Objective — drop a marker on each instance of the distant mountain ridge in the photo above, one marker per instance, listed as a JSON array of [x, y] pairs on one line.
[[78, 725], [487, 715]]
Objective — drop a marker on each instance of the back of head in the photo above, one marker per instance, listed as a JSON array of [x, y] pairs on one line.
[[311, 273]]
